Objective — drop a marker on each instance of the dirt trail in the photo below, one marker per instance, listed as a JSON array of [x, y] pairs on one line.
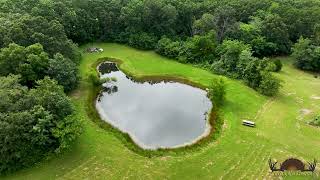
[[264, 108]]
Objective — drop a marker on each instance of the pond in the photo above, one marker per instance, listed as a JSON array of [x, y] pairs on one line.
[[154, 114]]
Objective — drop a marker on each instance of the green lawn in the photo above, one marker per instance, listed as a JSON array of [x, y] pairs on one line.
[[239, 153]]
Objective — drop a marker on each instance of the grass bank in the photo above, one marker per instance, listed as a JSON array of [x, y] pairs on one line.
[[239, 153]]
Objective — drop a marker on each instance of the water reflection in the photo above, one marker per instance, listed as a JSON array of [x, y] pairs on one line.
[[110, 89], [155, 114], [106, 68]]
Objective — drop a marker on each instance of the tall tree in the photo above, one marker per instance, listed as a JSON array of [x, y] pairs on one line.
[[30, 62], [224, 21], [276, 31], [64, 71], [203, 25]]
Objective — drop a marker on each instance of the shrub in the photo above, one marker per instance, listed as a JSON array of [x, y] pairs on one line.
[[169, 48], [307, 55], [196, 49], [269, 85], [263, 48], [199, 48], [252, 73], [64, 71], [94, 79], [278, 64], [273, 65], [67, 130], [218, 67], [270, 66], [217, 92], [316, 121], [236, 61], [142, 41], [229, 52]]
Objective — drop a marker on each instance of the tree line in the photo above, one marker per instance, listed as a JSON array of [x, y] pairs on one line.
[[269, 26], [38, 66], [187, 30]]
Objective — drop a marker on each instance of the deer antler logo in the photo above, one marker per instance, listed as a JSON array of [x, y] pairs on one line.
[[272, 166], [292, 164], [312, 166]]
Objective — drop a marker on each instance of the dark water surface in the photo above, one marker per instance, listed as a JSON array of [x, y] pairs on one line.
[[155, 115]]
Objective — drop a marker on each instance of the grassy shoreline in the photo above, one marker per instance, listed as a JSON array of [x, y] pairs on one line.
[[214, 118]]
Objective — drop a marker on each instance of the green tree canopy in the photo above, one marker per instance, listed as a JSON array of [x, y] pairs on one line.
[[307, 55], [33, 122]]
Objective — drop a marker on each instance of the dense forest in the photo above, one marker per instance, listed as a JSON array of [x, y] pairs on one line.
[[39, 56]]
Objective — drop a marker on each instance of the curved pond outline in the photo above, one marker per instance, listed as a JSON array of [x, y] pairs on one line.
[[210, 119]]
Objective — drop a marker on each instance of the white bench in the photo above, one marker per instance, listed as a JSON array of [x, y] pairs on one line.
[[248, 123]]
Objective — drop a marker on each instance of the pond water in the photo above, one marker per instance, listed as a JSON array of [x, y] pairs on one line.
[[154, 114]]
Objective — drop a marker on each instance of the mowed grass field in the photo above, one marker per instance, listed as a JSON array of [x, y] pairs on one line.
[[239, 153]]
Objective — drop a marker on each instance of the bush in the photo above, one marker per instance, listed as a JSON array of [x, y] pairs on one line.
[[217, 92], [218, 67], [316, 121], [229, 52], [168, 48], [251, 74], [199, 48], [270, 66], [278, 64], [263, 48], [236, 61], [67, 130], [273, 65], [64, 71], [269, 85], [196, 49], [142, 41], [307, 55], [95, 80]]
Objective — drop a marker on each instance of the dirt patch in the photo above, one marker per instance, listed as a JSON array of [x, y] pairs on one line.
[[165, 158], [225, 125], [292, 93], [76, 94], [315, 97], [305, 111]]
